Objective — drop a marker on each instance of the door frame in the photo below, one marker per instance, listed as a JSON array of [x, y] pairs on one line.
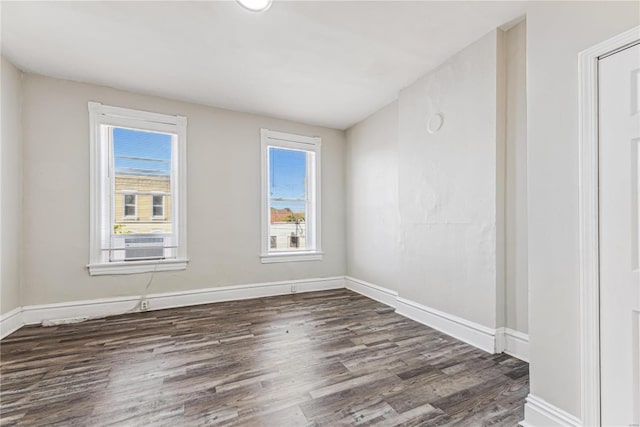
[[589, 221]]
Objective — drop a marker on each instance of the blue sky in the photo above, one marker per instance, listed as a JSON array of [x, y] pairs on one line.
[[287, 181], [129, 146]]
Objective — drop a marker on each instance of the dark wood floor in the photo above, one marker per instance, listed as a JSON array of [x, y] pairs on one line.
[[329, 358]]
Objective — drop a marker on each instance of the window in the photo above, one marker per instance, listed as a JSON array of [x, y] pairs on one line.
[[290, 197], [158, 207], [138, 191], [130, 205]]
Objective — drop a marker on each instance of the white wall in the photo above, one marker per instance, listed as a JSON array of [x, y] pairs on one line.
[[556, 33], [223, 196], [11, 187], [421, 208], [447, 186], [516, 289], [373, 219]]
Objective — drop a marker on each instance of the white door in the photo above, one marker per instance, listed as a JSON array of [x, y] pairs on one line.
[[619, 121]]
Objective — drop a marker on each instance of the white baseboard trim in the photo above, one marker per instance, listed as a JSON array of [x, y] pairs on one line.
[[512, 342], [485, 338], [472, 333], [540, 413], [369, 290], [36, 314], [11, 322]]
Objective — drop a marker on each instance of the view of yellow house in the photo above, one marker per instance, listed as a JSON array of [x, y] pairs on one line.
[[142, 204]]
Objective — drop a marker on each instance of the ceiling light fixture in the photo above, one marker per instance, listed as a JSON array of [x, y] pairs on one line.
[[256, 5]]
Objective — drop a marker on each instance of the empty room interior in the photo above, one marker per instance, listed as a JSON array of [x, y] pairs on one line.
[[320, 213]]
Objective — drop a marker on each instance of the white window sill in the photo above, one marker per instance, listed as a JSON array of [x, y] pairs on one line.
[[133, 267], [291, 257]]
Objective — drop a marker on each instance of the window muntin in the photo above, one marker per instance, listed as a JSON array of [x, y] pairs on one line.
[[138, 191], [291, 183]]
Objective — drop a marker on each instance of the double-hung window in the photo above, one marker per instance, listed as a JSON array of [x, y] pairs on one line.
[[158, 206], [138, 191], [290, 197], [130, 206]]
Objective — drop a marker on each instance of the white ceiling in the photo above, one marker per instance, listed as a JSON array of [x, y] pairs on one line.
[[327, 63]]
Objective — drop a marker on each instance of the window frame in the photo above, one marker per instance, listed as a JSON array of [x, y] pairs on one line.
[[101, 187], [270, 138]]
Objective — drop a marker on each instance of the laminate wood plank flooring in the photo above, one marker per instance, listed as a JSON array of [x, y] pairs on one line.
[[331, 358]]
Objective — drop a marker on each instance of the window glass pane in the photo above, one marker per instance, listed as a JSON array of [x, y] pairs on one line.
[[287, 173], [288, 228], [287, 199], [142, 164]]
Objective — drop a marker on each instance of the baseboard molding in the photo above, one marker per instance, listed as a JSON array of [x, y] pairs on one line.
[[369, 290], [485, 338], [540, 413], [512, 342], [11, 322], [35, 314], [470, 332]]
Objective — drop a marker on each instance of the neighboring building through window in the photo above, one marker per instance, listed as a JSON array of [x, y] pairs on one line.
[[291, 197], [138, 211]]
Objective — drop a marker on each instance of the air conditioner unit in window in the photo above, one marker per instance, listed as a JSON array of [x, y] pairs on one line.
[[142, 247]]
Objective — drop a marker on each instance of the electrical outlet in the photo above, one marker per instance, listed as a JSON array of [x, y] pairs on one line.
[[293, 289], [144, 305]]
